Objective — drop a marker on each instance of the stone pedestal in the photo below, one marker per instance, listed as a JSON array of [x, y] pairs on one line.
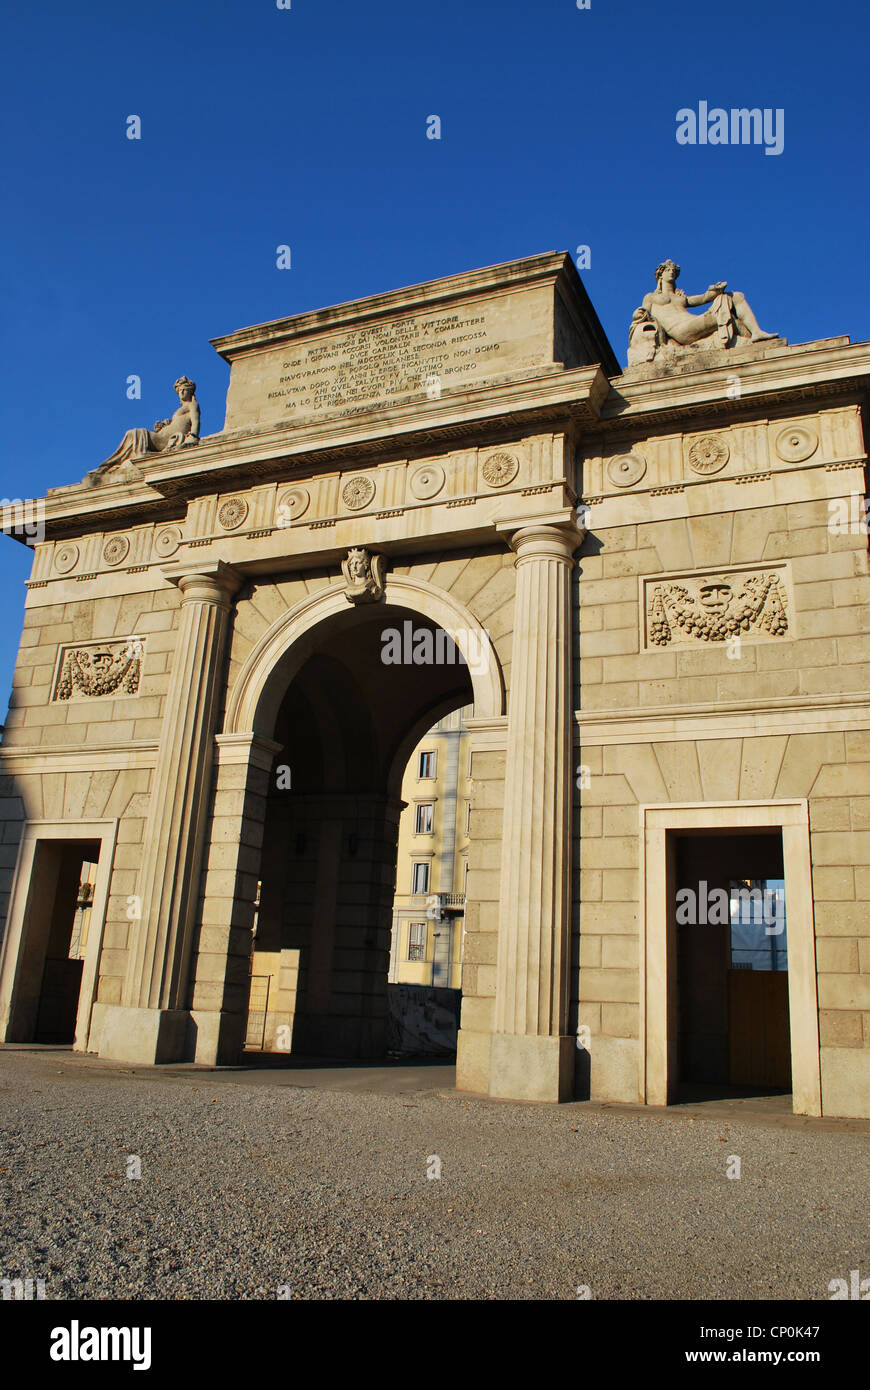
[[532, 1055], [143, 1036], [168, 885], [531, 1068]]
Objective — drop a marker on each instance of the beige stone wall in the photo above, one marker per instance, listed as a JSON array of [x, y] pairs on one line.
[[260, 604], [840, 820], [822, 767], [231, 866], [87, 759], [35, 720], [77, 795], [827, 650], [773, 723]]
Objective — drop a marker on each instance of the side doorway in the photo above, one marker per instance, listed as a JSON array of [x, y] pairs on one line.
[[732, 964], [50, 955], [703, 1024]]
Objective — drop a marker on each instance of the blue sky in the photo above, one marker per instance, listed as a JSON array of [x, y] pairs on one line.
[[307, 127]]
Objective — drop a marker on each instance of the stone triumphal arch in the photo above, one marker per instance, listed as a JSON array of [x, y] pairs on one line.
[[651, 585]]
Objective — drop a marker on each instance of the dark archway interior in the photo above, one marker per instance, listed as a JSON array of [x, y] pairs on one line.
[[347, 725]]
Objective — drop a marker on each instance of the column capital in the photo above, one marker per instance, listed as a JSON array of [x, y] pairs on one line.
[[551, 537], [204, 581], [246, 750]]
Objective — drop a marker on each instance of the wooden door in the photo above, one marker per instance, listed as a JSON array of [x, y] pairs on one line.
[[759, 1042]]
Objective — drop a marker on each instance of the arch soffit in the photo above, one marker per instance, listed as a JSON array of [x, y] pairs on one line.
[[281, 651]]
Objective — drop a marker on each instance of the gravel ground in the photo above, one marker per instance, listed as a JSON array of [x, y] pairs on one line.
[[248, 1188]]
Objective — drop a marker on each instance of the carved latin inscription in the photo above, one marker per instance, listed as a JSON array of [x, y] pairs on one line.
[[105, 668], [716, 607], [383, 364]]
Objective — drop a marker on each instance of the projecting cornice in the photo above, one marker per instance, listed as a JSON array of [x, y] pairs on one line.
[[550, 267], [830, 367], [557, 400]]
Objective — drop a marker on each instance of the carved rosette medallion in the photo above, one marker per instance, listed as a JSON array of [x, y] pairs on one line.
[[624, 470], [796, 443], [233, 513], [716, 608], [66, 557], [427, 481], [167, 541], [357, 493], [292, 504], [500, 469], [708, 454], [110, 668], [116, 549]]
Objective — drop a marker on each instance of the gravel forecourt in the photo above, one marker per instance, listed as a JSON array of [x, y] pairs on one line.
[[251, 1186]]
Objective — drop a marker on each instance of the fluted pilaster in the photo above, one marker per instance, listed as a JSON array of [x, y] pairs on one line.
[[168, 884], [530, 1055]]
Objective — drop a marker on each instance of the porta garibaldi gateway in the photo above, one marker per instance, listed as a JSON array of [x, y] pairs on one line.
[[657, 576]]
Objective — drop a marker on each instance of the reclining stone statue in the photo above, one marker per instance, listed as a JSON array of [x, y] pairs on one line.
[[663, 318], [181, 430]]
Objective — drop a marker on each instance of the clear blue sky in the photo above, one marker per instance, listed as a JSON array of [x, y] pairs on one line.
[[307, 127]]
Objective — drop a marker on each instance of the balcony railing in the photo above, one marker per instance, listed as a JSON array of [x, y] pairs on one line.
[[451, 902]]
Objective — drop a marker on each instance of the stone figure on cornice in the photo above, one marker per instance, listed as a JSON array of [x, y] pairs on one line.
[[643, 338], [180, 431], [664, 318]]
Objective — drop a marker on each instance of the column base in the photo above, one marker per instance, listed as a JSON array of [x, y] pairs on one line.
[[218, 1037], [531, 1068], [145, 1036], [472, 1061]]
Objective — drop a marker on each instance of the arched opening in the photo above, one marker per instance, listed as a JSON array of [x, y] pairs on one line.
[[428, 936], [348, 705]]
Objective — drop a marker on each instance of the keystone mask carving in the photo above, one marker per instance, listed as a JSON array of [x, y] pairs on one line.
[[363, 575]]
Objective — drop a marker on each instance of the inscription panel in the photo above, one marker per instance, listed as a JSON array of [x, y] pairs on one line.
[[421, 356]]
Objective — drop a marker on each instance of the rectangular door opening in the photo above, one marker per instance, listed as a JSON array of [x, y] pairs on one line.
[[731, 987], [49, 985]]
